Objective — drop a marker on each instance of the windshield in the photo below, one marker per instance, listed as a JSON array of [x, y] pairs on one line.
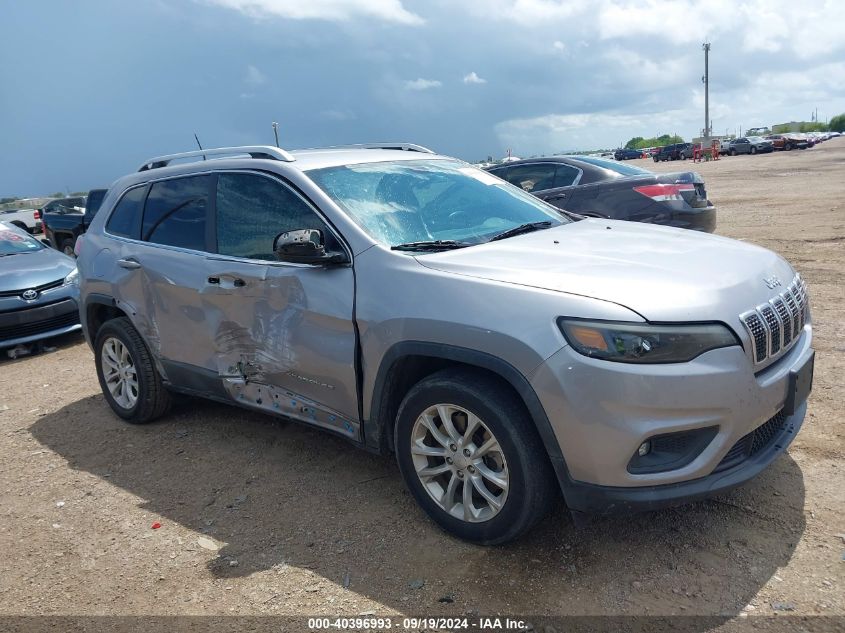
[[755, 139], [427, 200], [619, 168], [14, 243]]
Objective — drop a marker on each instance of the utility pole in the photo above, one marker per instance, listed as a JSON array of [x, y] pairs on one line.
[[706, 80], [276, 133]]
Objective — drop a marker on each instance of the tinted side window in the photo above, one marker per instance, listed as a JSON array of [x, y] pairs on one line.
[[175, 213], [125, 220], [252, 210], [533, 177], [565, 175]]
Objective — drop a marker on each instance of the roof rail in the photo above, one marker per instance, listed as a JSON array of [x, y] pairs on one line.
[[255, 151], [407, 147]]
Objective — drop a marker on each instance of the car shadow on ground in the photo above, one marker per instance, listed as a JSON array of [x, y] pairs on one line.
[[277, 494]]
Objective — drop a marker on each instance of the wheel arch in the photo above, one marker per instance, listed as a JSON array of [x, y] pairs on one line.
[[406, 363], [98, 309]]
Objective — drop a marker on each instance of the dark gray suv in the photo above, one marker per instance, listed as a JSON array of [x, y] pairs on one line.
[[505, 351]]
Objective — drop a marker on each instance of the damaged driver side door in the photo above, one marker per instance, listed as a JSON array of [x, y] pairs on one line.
[[283, 333]]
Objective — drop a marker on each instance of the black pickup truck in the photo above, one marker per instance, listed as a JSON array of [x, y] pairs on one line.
[[63, 226]]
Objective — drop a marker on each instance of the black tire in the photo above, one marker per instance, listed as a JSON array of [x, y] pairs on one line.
[[733, 152], [753, 150], [532, 488], [787, 147], [66, 246], [656, 159], [153, 399]]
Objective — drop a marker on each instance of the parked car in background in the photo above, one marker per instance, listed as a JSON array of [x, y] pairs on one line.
[[627, 154], [39, 289], [787, 141], [412, 304], [27, 219], [758, 131], [748, 145], [675, 151], [606, 189], [62, 228]]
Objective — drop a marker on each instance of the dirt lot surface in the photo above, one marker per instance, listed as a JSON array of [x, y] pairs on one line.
[[260, 516]]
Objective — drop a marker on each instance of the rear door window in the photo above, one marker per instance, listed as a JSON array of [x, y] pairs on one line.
[[252, 210], [125, 220], [534, 177], [175, 213]]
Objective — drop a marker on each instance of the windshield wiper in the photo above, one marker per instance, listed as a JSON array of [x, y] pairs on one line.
[[522, 228], [430, 245]]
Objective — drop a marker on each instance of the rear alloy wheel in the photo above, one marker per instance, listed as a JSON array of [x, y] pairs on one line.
[[753, 150], [733, 152], [787, 147], [128, 377], [471, 457]]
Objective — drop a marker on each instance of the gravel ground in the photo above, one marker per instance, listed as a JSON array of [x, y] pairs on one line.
[[259, 516]]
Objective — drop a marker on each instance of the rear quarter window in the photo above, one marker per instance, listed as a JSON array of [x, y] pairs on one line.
[[125, 220]]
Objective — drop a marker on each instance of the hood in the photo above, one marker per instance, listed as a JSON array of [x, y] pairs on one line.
[[28, 270], [662, 273]]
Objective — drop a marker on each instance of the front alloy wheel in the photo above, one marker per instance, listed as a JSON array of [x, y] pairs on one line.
[[459, 462], [470, 454]]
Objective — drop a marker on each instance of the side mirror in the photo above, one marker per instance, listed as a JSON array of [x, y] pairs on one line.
[[305, 246]]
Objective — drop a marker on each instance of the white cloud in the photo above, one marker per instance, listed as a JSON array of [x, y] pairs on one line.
[[559, 132], [422, 84], [473, 78], [559, 46], [254, 77], [336, 10], [529, 12]]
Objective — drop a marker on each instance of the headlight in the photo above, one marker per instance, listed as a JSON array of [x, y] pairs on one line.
[[644, 343], [73, 277]]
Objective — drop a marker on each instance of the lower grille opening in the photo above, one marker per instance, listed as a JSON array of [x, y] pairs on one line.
[[754, 442], [39, 327]]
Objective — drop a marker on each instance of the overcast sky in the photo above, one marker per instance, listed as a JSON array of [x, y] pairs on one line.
[[92, 88]]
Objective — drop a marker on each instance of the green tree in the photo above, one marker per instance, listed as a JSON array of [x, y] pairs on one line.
[[837, 123], [638, 142]]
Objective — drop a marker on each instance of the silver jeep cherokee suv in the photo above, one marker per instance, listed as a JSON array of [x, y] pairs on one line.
[[412, 303]]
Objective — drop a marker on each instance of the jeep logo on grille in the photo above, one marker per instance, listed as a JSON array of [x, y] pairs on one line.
[[772, 282], [29, 295]]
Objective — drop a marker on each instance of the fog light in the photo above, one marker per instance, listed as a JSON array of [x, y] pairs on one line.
[[644, 449]]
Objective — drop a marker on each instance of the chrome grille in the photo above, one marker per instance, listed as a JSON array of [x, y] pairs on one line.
[[775, 326], [785, 319]]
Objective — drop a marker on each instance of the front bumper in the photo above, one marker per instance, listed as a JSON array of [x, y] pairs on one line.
[[592, 499], [39, 321], [601, 412]]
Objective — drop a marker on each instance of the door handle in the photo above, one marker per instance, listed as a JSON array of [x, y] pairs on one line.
[[557, 196], [214, 280], [128, 264], [239, 283]]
